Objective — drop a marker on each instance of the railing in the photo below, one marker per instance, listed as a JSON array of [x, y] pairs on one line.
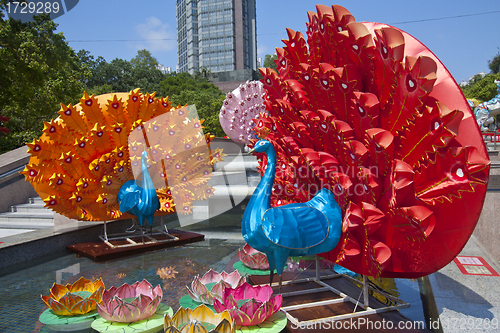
[[10, 172], [494, 138], [14, 189]]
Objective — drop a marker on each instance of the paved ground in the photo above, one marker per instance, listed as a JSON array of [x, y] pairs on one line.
[[12, 232], [468, 303]]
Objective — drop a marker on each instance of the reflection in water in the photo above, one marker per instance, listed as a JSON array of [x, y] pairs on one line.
[[25, 285], [404, 289], [166, 273], [184, 263], [71, 270], [387, 285]]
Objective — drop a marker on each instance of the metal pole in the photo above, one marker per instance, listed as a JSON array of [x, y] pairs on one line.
[[105, 232], [317, 268], [365, 292]]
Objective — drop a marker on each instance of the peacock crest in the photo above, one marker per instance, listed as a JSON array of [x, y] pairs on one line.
[[92, 148], [367, 111]]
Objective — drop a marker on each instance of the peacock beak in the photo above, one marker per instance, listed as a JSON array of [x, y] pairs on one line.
[[251, 151]]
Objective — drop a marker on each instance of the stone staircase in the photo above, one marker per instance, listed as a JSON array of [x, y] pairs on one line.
[[26, 217], [233, 179]]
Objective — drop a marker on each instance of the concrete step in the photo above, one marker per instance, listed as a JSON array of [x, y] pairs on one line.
[[238, 177], [26, 217], [37, 206], [35, 200], [23, 220], [224, 199], [237, 163]]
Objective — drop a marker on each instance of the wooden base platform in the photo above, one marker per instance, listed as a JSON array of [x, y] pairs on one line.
[[101, 251], [392, 321]]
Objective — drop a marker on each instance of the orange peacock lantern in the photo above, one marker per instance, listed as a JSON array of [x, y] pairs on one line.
[[85, 155]]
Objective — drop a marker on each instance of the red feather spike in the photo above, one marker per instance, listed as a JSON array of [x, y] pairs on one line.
[[361, 47], [388, 56], [443, 125], [414, 84], [364, 114], [272, 84], [295, 51], [449, 175], [380, 144]]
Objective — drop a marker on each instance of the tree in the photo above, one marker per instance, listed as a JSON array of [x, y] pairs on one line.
[[38, 70], [183, 88], [120, 75], [145, 73], [93, 70], [144, 58], [494, 64], [481, 88], [269, 61]]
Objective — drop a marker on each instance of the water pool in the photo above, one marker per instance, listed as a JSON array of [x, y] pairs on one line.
[[20, 305]]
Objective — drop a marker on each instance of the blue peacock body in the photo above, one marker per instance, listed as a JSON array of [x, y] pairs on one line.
[[296, 229], [141, 201]]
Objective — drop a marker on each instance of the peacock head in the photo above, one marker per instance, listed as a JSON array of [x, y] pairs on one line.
[[260, 146]]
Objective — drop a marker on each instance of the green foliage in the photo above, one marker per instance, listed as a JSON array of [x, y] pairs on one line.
[[185, 89], [144, 58], [141, 72], [92, 75], [145, 73], [17, 139], [100, 90], [269, 61], [481, 88], [494, 64], [38, 70], [120, 75]]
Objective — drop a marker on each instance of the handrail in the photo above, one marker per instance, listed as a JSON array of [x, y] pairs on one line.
[[493, 137], [10, 172]]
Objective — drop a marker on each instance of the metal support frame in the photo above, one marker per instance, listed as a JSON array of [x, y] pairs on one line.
[[344, 298], [135, 231]]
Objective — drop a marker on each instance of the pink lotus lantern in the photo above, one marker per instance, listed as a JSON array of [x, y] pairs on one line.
[[252, 258], [130, 303], [200, 292], [257, 304]]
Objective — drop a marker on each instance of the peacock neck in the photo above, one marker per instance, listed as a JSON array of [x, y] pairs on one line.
[[147, 182], [261, 198]]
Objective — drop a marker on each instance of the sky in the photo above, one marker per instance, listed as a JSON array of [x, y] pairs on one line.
[[464, 35]]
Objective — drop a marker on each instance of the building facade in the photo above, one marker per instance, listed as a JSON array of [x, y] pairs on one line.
[[216, 35]]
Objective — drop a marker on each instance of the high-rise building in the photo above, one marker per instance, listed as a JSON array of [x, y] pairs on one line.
[[216, 35]]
